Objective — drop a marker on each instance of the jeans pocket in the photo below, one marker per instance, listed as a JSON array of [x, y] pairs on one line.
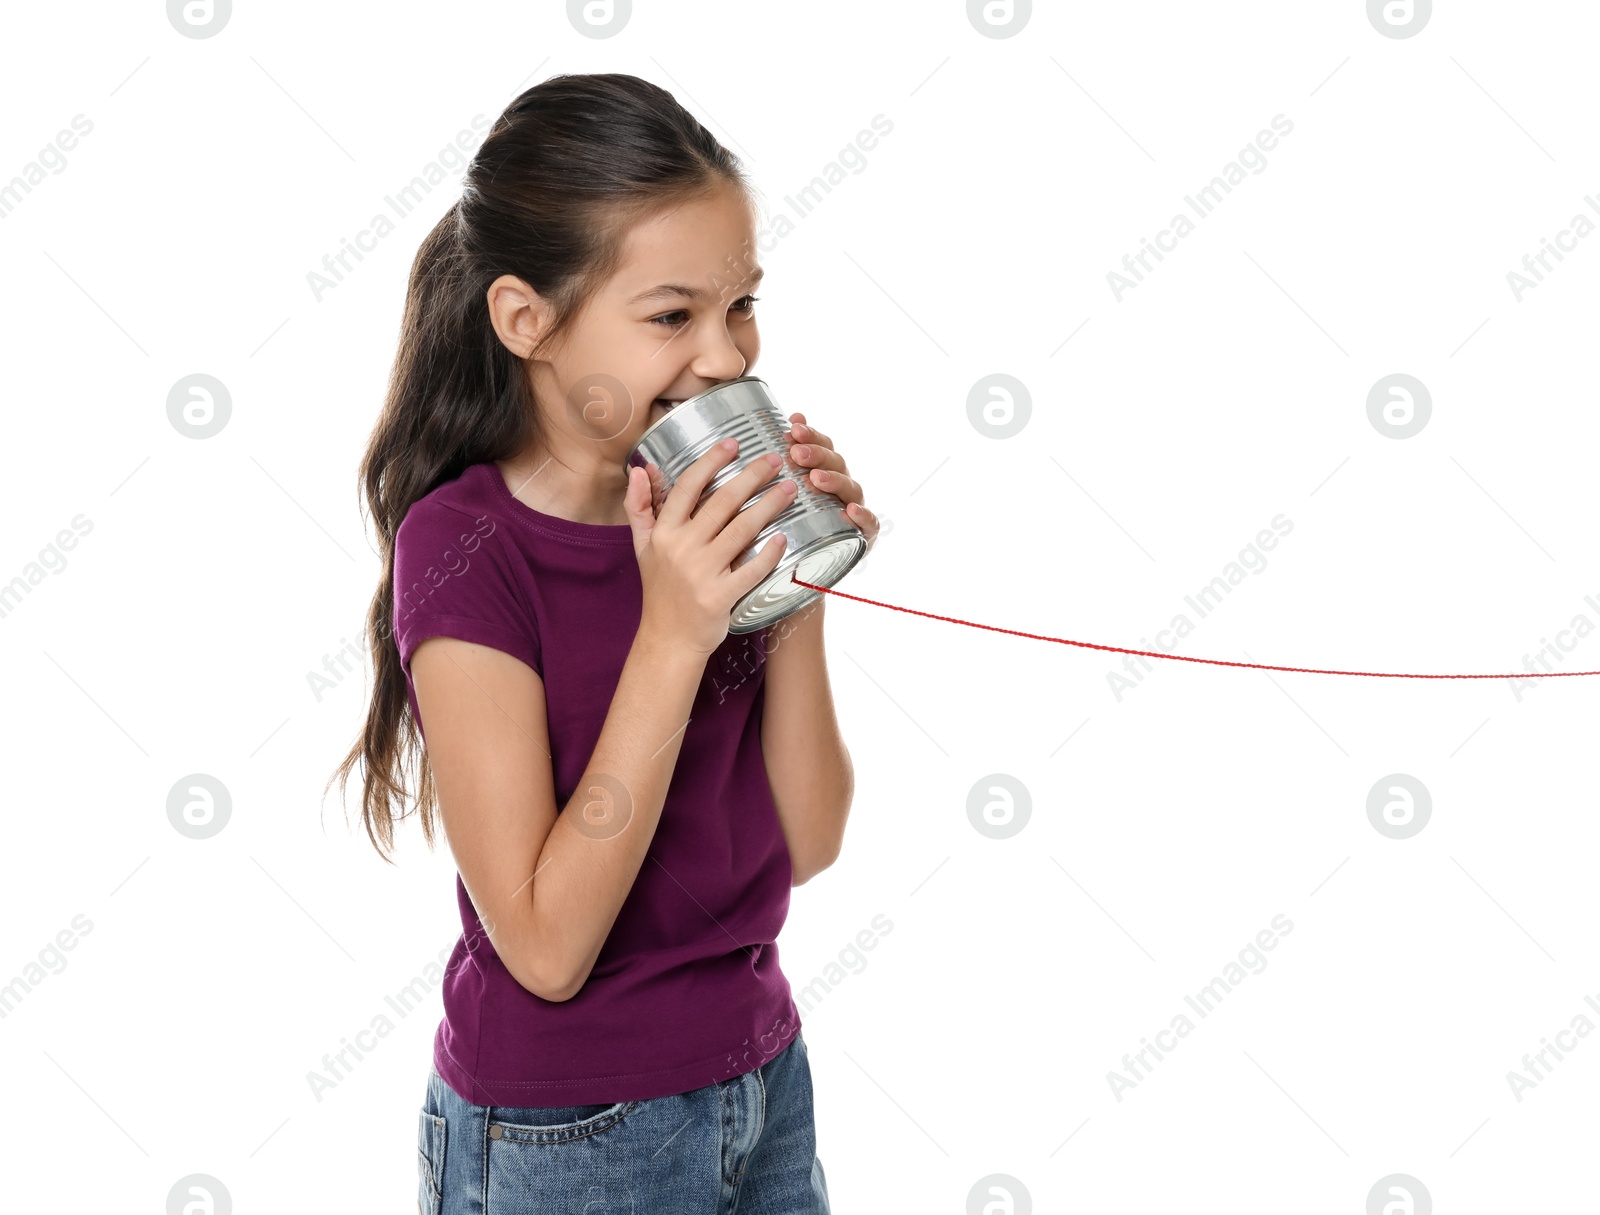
[[430, 1163], [556, 1124], [594, 1159]]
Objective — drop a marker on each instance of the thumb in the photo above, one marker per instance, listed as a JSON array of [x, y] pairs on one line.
[[641, 516]]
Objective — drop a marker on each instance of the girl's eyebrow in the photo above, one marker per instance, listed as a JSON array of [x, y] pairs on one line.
[[670, 290]]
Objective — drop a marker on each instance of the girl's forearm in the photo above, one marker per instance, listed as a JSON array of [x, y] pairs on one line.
[[590, 862], [808, 764]]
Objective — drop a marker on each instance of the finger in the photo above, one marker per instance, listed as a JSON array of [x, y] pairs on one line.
[[751, 574], [762, 510], [846, 489], [658, 485], [812, 456], [865, 520], [637, 504], [713, 515], [806, 433], [685, 493], [813, 435]]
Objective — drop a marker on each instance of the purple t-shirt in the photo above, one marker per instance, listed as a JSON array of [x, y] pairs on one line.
[[687, 989]]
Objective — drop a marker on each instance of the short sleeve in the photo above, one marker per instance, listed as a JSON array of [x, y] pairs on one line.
[[453, 577]]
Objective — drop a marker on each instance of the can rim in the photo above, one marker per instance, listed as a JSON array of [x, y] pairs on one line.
[[648, 430]]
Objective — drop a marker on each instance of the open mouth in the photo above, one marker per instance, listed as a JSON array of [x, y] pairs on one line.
[[667, 404]]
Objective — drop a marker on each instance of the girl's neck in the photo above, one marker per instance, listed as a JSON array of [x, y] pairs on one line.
[[583, 494]]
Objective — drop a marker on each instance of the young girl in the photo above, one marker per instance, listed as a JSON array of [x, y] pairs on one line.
[[629, 790]]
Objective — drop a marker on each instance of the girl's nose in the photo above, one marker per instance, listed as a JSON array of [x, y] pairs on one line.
[[719, 359]]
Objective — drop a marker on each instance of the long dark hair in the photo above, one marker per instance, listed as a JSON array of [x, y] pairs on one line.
[[563, 174]]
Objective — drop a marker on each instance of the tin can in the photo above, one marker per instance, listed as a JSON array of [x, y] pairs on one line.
[[824, 543]]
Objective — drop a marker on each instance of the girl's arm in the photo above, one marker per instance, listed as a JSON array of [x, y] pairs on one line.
[[548, 888], [808, 765]]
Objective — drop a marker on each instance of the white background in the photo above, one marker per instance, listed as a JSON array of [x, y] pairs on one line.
[[1228, 388]]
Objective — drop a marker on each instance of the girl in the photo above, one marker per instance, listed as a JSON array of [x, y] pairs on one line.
[[629, 790]]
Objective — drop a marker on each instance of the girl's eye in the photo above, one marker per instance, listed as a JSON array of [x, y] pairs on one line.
[[744, 305]]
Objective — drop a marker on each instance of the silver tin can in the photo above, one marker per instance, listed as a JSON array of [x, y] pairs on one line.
[[823, 542]]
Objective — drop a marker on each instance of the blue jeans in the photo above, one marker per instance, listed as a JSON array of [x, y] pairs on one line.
[[745, 1146]]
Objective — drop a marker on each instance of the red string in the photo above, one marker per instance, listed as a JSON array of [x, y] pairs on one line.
[[1261, 666]]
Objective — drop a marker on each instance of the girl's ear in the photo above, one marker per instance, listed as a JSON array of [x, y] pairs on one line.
[[518, 313]]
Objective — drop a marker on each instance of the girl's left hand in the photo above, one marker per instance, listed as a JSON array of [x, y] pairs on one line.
[[813, 450]]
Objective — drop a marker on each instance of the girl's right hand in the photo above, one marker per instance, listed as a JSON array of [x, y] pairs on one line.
[[685, 559]]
